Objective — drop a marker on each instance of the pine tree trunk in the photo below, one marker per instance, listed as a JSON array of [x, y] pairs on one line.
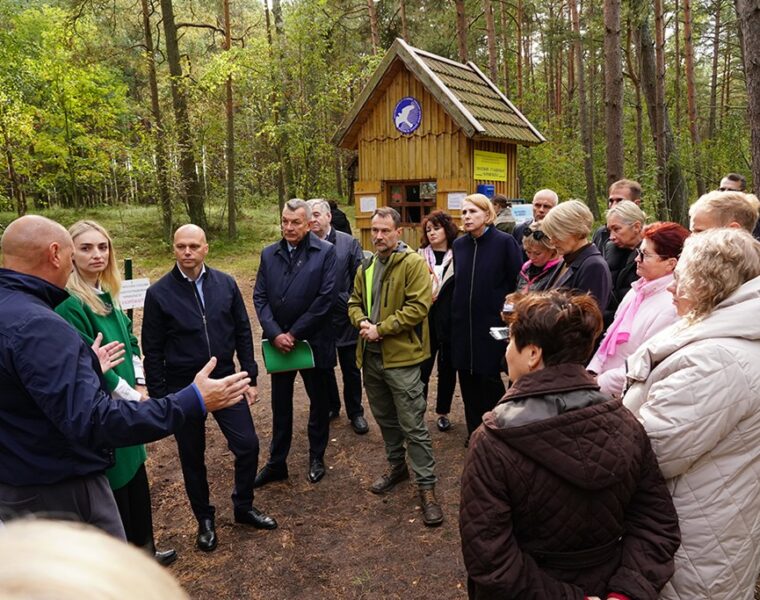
[[373, 27], [712, 119], [190, 184], [691, 96], [505, 46], [275, 55], [677, 52], [672, 204], [16, 191], [588, 159], [162, 172], [613, 91], [404, 25], [230, 114], [461, 30], [634, 73], [748, 12], [519, 43], [493, 68], [659, 105]]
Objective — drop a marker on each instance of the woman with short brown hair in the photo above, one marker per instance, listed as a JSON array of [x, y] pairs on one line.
[[561, 493]]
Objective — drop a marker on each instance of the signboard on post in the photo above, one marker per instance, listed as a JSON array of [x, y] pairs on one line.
[[490, 166], [133, 293]]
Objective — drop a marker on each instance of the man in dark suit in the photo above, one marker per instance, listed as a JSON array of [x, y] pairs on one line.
[[293, 297], [191, 313], [348, 257]]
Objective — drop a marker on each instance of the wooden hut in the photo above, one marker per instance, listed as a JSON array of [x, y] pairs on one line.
[[429, 131]]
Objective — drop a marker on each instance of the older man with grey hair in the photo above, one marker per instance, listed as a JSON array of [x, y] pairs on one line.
[[543, 202], [293, 297], [348, 257]]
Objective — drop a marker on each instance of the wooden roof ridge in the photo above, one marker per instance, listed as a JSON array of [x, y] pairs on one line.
[[414, 60]]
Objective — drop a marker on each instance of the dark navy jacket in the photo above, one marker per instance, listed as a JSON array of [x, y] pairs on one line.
[[588, 273], [485, 271], [348, 257], [296, 294], [56, 419], [179, 334]]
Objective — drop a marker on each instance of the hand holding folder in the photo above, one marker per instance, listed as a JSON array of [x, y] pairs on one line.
[[300, 357]]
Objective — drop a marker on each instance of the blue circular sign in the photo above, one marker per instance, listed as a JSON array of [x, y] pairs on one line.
[[407, 115]]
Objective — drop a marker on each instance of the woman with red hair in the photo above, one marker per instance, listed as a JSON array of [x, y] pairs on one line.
[[645, 310]]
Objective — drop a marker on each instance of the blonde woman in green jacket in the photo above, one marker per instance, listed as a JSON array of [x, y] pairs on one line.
[[92, 308]]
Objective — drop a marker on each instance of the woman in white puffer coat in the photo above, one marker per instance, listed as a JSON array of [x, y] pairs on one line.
[[695, 387]]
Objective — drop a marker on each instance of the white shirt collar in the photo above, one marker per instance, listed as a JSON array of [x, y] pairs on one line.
[[201, 274]]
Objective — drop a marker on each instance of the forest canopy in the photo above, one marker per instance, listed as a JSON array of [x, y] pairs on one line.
[[239, 107]]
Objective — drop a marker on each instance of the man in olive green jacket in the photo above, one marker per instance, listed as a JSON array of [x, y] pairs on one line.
[[389, 305]]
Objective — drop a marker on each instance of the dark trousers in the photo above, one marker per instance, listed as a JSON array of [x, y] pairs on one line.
[[87, 499], [352, 384], [480, 393], [237, 426], [133, 501], [447, 375], [316, 384]]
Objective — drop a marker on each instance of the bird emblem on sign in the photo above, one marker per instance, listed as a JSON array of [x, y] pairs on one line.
[[407, 115]]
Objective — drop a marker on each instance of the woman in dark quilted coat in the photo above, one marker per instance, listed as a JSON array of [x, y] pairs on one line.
[[562, 497]]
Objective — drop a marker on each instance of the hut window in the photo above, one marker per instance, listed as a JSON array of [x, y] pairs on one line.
[[413, 200]]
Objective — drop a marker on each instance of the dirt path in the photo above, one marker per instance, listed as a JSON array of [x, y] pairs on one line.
[[335, 539]]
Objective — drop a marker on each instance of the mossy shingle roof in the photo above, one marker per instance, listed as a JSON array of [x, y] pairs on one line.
[[470, 98]]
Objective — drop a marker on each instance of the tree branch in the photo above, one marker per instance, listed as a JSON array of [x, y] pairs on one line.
[[202, 26]]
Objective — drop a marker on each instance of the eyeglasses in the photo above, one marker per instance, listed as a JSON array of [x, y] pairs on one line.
[[614, 200], [727, 189], [538, 235], [642, 256]]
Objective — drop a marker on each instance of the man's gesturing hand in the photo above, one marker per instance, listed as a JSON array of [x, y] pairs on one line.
[[110, 355], [220, 393]]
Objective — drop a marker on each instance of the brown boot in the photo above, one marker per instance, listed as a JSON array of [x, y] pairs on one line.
[[388, 480], [432, 515]]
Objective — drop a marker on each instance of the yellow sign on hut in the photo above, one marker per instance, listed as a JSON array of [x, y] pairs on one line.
[[429, 131], [490, 166]]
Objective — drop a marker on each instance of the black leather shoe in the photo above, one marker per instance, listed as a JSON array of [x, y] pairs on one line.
[[206, 539], [255, 517], [334, 414], [316, 470], [360, 425], [165, 557], [268, 475]]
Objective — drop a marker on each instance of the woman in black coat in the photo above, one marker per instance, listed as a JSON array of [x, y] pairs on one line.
[[583, 268], [625, 222], [487, 262]]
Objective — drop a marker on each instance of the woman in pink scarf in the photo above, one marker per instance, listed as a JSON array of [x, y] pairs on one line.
[[645, 310]]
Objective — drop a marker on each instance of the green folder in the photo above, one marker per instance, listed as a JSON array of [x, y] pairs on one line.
[[300, 357]]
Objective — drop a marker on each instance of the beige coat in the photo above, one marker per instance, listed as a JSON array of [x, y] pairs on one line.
[[696, 390]]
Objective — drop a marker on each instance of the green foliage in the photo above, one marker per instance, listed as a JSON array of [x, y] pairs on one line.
[[75, 111]]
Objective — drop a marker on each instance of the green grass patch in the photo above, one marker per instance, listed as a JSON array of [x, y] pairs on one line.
[[136, 232]]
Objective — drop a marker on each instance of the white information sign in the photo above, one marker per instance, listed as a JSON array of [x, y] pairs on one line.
[[454, 200], [368, 204], [133, 293], [522, 212]]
